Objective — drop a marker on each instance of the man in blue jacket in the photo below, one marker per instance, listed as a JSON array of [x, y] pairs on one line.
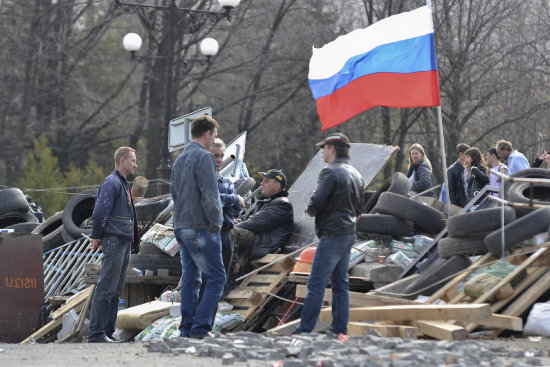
[[197, 224], [115, 230]]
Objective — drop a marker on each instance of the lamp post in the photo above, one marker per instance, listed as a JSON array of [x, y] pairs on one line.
[[194, 18]]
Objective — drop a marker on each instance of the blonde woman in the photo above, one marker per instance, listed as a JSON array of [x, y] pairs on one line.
[[420, 170]]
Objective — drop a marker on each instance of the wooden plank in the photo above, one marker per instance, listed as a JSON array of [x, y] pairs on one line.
[[81, 317], [441, 330], [72, 303], [250, 295], [43, 330], [360, 299], [462, 312], [459, 278], [284, 262], [263, 278], [138, 279], [503, 321]]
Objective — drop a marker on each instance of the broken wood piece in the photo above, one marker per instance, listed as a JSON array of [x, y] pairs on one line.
[[280, 262], [360, 299], [81, 317], [461, 312], [251, 296], [441, 330]]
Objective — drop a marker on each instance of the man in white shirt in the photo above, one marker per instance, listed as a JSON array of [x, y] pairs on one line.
[[516, 160]]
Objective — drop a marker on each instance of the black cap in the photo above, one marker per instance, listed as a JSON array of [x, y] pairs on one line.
[[275, 174], [335, 139]]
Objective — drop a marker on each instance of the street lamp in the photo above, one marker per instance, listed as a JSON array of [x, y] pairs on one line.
[[194, 19]]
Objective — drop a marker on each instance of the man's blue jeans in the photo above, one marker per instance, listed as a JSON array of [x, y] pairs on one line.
[[116, 255], [201, 253], [331, 260]]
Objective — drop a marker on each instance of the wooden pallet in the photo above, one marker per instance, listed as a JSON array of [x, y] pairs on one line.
[[253, 293]]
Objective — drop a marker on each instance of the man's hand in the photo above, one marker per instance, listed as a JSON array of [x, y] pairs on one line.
[[95, 243], [242, 204], [305, 210], [543, 156]]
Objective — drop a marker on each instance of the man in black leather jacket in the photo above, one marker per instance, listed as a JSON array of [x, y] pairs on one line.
[[266, 225], [456, 176], [336, 205]]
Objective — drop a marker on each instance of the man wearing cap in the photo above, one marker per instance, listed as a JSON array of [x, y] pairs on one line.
[[266, 225], [335, 204]]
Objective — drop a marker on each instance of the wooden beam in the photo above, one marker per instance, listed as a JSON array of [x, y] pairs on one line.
[[71, 303], [441, 330], [251, 296], [360, 299], [503, 322], [462, 312]]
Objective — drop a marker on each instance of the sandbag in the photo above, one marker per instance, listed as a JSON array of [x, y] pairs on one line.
[[140, 317]]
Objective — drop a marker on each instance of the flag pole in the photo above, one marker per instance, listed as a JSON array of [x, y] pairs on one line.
[[443, 157]]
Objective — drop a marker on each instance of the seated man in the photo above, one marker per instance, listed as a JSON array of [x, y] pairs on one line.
[[266, 225]]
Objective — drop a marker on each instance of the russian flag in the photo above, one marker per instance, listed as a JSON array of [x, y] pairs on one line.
[[391, 63]]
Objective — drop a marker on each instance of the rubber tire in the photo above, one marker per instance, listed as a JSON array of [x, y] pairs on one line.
[[437, 272], [16, 217], [154, 262], [451, 246], [484, 220], [519, 230], [12, 199], [527, 173], [25, 227], [148, 248], [246, 186], [428, 218], [148, 209], [384, 224], [51, 231], [79, 208], [398, 184], [518, 192]]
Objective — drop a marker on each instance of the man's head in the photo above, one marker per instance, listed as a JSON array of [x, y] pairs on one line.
[[547, 159], [504, 149], [273, 181], [218, 149], [491, 157], [334, 146], [460, 150], [125, 161], [204, 130]]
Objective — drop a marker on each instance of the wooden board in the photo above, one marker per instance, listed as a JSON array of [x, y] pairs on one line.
[[72, 303], [138, 279], [360, 299], [441, 330], [502, 321], [462, 312], [250, 295], [280, 263]]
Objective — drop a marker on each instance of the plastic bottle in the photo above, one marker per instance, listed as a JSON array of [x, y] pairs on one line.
[[122, 305]]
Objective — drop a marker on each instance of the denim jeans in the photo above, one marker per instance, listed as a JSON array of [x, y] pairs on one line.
[[201, 253], [116, 255], [331, 260]]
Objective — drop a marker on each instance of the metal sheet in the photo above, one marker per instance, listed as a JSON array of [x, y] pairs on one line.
[[21, 285], [368, 159]]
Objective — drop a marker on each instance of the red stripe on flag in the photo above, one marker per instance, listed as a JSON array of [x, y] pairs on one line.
[[382, 89]]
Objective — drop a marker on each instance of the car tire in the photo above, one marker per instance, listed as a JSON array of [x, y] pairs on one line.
[[452, 246], [384, 224], [16, 217], [519, 230], [426, 217], [519, 192], [147, 209], [12, 199], [484, 220], [246, 186], [398, 184], [25, 227], [77, 210], [52, 232]]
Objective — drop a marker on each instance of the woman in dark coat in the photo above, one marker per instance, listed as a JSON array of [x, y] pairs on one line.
[[477, 172], [420, 170]]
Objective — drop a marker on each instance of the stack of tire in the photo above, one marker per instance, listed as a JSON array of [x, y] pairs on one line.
[[15, 212], [390, 211], [519, 192]]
